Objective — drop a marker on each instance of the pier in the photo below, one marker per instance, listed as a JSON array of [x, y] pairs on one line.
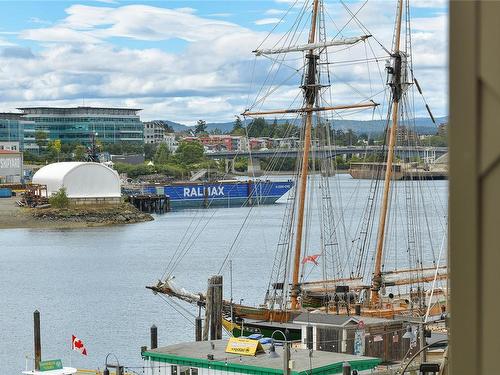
[[151, 203]]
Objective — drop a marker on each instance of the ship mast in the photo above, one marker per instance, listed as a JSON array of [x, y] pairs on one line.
[[310, 90], [395, 82]]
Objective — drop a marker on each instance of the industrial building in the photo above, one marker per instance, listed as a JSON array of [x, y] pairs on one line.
[[11, 167], [85, 183]]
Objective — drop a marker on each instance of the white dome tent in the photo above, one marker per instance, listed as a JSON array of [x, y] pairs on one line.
[[83, 181]]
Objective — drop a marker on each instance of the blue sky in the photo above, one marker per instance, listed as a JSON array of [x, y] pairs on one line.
[[185, 60]]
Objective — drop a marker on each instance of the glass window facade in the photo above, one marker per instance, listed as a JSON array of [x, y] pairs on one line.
[[112, 125], [14, 128]]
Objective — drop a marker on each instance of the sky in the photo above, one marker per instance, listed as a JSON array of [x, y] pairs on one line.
[[190, 60]]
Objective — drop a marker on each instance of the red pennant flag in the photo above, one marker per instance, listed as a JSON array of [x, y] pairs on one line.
[[77, 345], [311, 258]]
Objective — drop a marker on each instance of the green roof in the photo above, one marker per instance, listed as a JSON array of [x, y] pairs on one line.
[[194, 354]]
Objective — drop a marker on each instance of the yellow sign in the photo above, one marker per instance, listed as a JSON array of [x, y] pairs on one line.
[[242, 346]]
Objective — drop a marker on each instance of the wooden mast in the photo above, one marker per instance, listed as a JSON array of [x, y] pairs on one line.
[[396, 89], [310, 90]]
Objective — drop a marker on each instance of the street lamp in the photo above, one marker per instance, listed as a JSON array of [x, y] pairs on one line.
[[286, 352], [119, 369]]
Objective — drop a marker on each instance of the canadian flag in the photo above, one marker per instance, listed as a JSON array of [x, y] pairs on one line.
[[311, 258], [77, 345]]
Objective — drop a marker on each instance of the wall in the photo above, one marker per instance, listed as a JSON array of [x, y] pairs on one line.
[[11, 167], [474, 186]]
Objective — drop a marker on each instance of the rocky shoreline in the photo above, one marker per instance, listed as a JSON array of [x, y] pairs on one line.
[[92, 215]]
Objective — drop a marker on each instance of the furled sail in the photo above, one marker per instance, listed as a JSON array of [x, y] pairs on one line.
[[312, 46]]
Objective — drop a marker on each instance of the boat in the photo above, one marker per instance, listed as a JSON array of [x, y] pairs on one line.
[[400, 171], [226, 193], [359, 275]]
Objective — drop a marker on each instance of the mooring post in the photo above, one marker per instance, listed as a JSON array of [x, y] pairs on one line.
[[154, 337], [218, 310], [198, 328], [38, 340], [346, 368], [214, 307]]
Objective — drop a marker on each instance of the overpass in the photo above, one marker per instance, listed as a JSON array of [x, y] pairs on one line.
[[405, 152]]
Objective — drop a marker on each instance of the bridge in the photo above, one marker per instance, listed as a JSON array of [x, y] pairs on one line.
[[405, 152], [330, 151]]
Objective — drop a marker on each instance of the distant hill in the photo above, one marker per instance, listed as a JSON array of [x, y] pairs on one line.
[[423, 125]]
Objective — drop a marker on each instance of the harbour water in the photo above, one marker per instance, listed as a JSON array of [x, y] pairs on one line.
[[91, 282]]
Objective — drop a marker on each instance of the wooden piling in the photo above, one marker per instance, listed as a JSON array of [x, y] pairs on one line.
[[213, 311], [37, 339], [208, 311], [198, 329], [154, 337]]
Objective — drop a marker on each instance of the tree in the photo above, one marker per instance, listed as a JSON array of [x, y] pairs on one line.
[[40, 139], [150, 150], [201, 127], [238, 128], [56, 147], [80, 152], [162, 154], [190, 152], [216, 131], [59, 199], [259, 128]]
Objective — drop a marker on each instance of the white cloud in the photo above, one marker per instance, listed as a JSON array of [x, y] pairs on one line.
[[220, 15], [275, 12], [267, 21], [209, 78], [139, 22], [4, 43], [39, 21], [430, 3]]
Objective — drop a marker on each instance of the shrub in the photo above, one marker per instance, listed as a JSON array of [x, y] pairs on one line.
[[59, 199]]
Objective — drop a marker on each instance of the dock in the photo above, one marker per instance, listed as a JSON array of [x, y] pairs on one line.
[[151, 203]]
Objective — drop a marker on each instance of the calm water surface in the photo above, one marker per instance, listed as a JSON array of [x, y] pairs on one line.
[[91, 282]]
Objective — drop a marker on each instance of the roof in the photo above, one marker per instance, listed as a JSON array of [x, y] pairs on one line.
[[81, 179], [10, 115], [339, 320], [9, 152], [80, 107], [194, 354], [61, 168]]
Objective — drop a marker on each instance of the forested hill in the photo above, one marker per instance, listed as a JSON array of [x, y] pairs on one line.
[[423, 125]]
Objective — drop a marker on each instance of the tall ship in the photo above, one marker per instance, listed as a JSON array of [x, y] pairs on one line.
[[391, 260]]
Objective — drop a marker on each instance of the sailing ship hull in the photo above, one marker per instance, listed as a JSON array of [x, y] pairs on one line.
[[371, 171]]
